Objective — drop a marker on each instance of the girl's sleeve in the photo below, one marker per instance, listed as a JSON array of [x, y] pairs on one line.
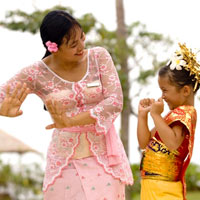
[[185, 115], [26, 75], [110, 107]]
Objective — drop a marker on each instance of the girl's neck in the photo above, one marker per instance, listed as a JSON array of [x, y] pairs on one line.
[[190, 100]]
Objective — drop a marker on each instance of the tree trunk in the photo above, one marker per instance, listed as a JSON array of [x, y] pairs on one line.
[[123, 55]]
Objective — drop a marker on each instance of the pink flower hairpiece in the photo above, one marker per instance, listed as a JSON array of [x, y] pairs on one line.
[[52, 46]]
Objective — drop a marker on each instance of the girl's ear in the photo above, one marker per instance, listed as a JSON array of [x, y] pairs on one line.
[[186, 90]]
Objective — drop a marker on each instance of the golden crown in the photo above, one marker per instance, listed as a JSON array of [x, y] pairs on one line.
[[187, 59]]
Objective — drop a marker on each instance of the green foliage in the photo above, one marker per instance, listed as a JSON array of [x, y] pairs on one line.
[[135, 189], [20, 20], [139, 41], [193, 177], [22, 182], [87, 22]]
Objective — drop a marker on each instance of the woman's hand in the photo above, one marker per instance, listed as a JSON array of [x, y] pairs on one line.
[[157, 107], [12, 102], [58, 114]]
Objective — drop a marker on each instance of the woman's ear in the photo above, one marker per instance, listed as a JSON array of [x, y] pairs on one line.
[[83, 36]]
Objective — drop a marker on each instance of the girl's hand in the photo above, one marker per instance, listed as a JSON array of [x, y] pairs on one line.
[[157, 107], [58, 113], [12, 102], [145, 105]]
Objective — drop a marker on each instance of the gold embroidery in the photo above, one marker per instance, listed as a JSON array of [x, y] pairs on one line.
[[158, 161]]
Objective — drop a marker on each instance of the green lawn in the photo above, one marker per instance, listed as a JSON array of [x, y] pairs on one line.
[[190, 196]]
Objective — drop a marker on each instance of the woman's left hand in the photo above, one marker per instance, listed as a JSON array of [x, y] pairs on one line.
[[58, 113]]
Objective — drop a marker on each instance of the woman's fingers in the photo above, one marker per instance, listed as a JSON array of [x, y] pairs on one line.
[[14, 93], [50, 106], [50, 126], [55, 107], [58, 107], [18, 93], [23, 92], [5, 107], [19, 112], [8, 91]]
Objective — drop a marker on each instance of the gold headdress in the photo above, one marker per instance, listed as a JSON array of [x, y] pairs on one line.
[[187, 59]]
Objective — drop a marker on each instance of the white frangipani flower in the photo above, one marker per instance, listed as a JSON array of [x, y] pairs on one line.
[[177, 62]]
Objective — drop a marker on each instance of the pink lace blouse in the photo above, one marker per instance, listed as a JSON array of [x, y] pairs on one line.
[[99, 91]]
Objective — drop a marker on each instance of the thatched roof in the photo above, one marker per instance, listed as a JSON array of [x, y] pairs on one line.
[[8, 143]]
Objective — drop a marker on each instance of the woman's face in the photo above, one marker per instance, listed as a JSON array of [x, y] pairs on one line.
[[73, 49]]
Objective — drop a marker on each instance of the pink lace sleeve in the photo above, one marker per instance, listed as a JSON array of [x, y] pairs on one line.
[[23, 76], [110, 107]]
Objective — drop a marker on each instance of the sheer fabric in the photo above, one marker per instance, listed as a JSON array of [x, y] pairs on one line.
[[99, 92]]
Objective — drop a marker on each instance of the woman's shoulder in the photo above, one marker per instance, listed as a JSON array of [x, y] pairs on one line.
[[33, 66], [98, 50]]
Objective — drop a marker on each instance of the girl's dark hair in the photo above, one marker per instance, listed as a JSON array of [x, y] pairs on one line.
[[55, 26], [178, 78]]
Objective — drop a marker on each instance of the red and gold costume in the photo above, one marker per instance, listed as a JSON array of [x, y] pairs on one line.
[[163, 168]]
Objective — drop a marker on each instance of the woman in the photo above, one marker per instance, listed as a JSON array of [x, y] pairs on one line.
[[81, 90]]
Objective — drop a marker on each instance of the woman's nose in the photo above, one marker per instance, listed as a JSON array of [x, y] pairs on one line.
[[81, 45]]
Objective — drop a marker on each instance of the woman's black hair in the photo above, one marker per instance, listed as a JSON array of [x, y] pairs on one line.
[[55, 26], [179, 78]]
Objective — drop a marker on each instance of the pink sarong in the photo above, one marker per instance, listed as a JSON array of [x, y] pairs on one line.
[[85, 179]]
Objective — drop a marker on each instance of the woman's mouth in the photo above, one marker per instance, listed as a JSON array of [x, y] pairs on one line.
[[79, 54]]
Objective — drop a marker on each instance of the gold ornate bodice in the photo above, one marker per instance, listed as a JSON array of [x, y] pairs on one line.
[[158, 162]]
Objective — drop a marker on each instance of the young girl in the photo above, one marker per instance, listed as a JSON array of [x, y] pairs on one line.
[[82, 92], [168, 147]]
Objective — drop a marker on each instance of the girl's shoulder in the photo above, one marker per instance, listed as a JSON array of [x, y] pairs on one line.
[[185, 114], [184, 109]]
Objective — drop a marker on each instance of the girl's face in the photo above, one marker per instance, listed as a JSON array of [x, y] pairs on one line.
[[172, 95], [73, 49]]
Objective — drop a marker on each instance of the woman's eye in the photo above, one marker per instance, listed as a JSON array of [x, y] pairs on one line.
[[73, 46]]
